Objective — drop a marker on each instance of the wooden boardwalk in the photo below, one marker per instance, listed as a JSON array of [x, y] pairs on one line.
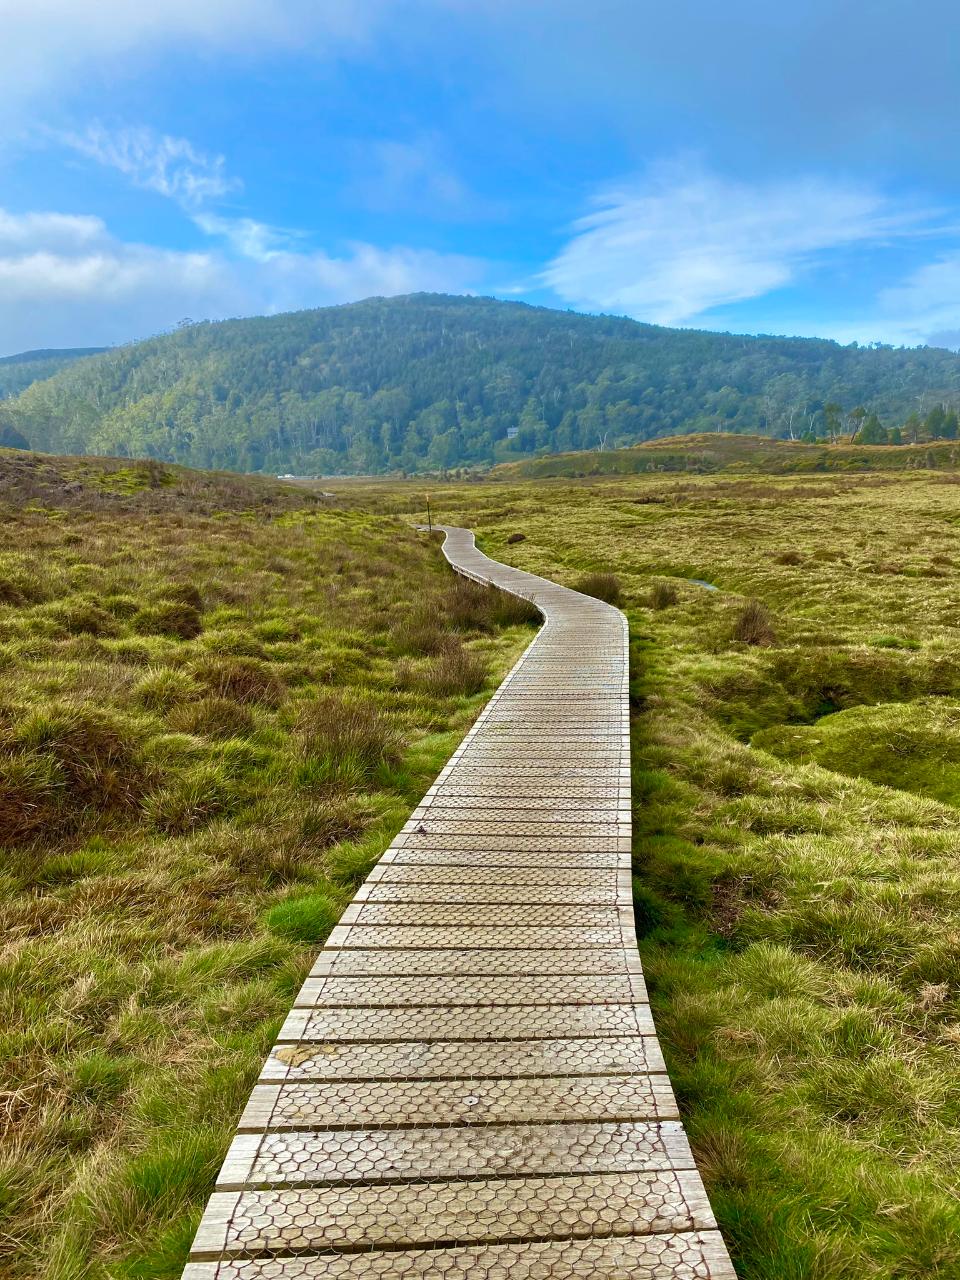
[[469, 1086]]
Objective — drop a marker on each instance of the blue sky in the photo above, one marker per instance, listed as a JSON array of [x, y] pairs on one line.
[[745, 166]]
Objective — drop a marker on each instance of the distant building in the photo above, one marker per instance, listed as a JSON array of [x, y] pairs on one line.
[[512, 433]]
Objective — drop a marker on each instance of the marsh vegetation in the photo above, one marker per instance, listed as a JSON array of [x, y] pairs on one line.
[[797, 823], [220, 699]]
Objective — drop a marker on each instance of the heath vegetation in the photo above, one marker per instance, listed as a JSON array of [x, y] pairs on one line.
[[797, 820], [221, 697]]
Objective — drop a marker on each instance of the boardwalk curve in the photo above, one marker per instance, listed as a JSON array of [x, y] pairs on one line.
[[469, 1086]]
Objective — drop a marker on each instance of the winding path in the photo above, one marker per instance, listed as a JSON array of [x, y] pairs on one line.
[[469, 1085]]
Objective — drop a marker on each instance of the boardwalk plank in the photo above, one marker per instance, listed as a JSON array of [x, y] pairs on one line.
[[412, 1155], [692, 1255], [481, 1211], [531, 1100]]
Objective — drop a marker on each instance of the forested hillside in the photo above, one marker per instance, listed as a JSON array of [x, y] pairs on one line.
[[19, 371], [431, 381]]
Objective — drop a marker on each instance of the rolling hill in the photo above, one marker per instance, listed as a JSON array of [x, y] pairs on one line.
[[430, 381]]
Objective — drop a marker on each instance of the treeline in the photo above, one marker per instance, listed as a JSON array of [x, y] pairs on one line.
[[860, 426], [434, 382]]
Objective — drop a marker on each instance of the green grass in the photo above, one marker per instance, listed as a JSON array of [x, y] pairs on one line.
[[220, 701], [797, 821]]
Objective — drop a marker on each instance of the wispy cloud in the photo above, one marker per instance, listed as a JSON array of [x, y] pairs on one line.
[[172, 167], [249, 238], [181, 172], [62, 276], [924, 307], [681, 241], [414, 175]]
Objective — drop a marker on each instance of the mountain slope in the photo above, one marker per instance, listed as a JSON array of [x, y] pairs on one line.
[[19, 371], [431, 381]]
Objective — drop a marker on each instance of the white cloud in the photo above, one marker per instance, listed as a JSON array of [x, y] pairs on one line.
[[171, 167], [683, 241], [55, 231], [67, 281], [247, 237]]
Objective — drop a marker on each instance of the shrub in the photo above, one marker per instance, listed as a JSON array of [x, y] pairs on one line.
[[754, 625], [663, 594], [246, 680], [307, 919], [169, 618], [213, 717], [603, 586], [344, 739], [152, 474]]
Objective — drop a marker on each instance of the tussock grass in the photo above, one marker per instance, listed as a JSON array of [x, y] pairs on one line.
[[344, 738], [663, 594], [603, 585], [754, 625], [453, 670], [205, 742]]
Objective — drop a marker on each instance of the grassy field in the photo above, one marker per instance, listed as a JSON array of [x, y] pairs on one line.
[[221, 697], [725, 452], [797, 824]]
